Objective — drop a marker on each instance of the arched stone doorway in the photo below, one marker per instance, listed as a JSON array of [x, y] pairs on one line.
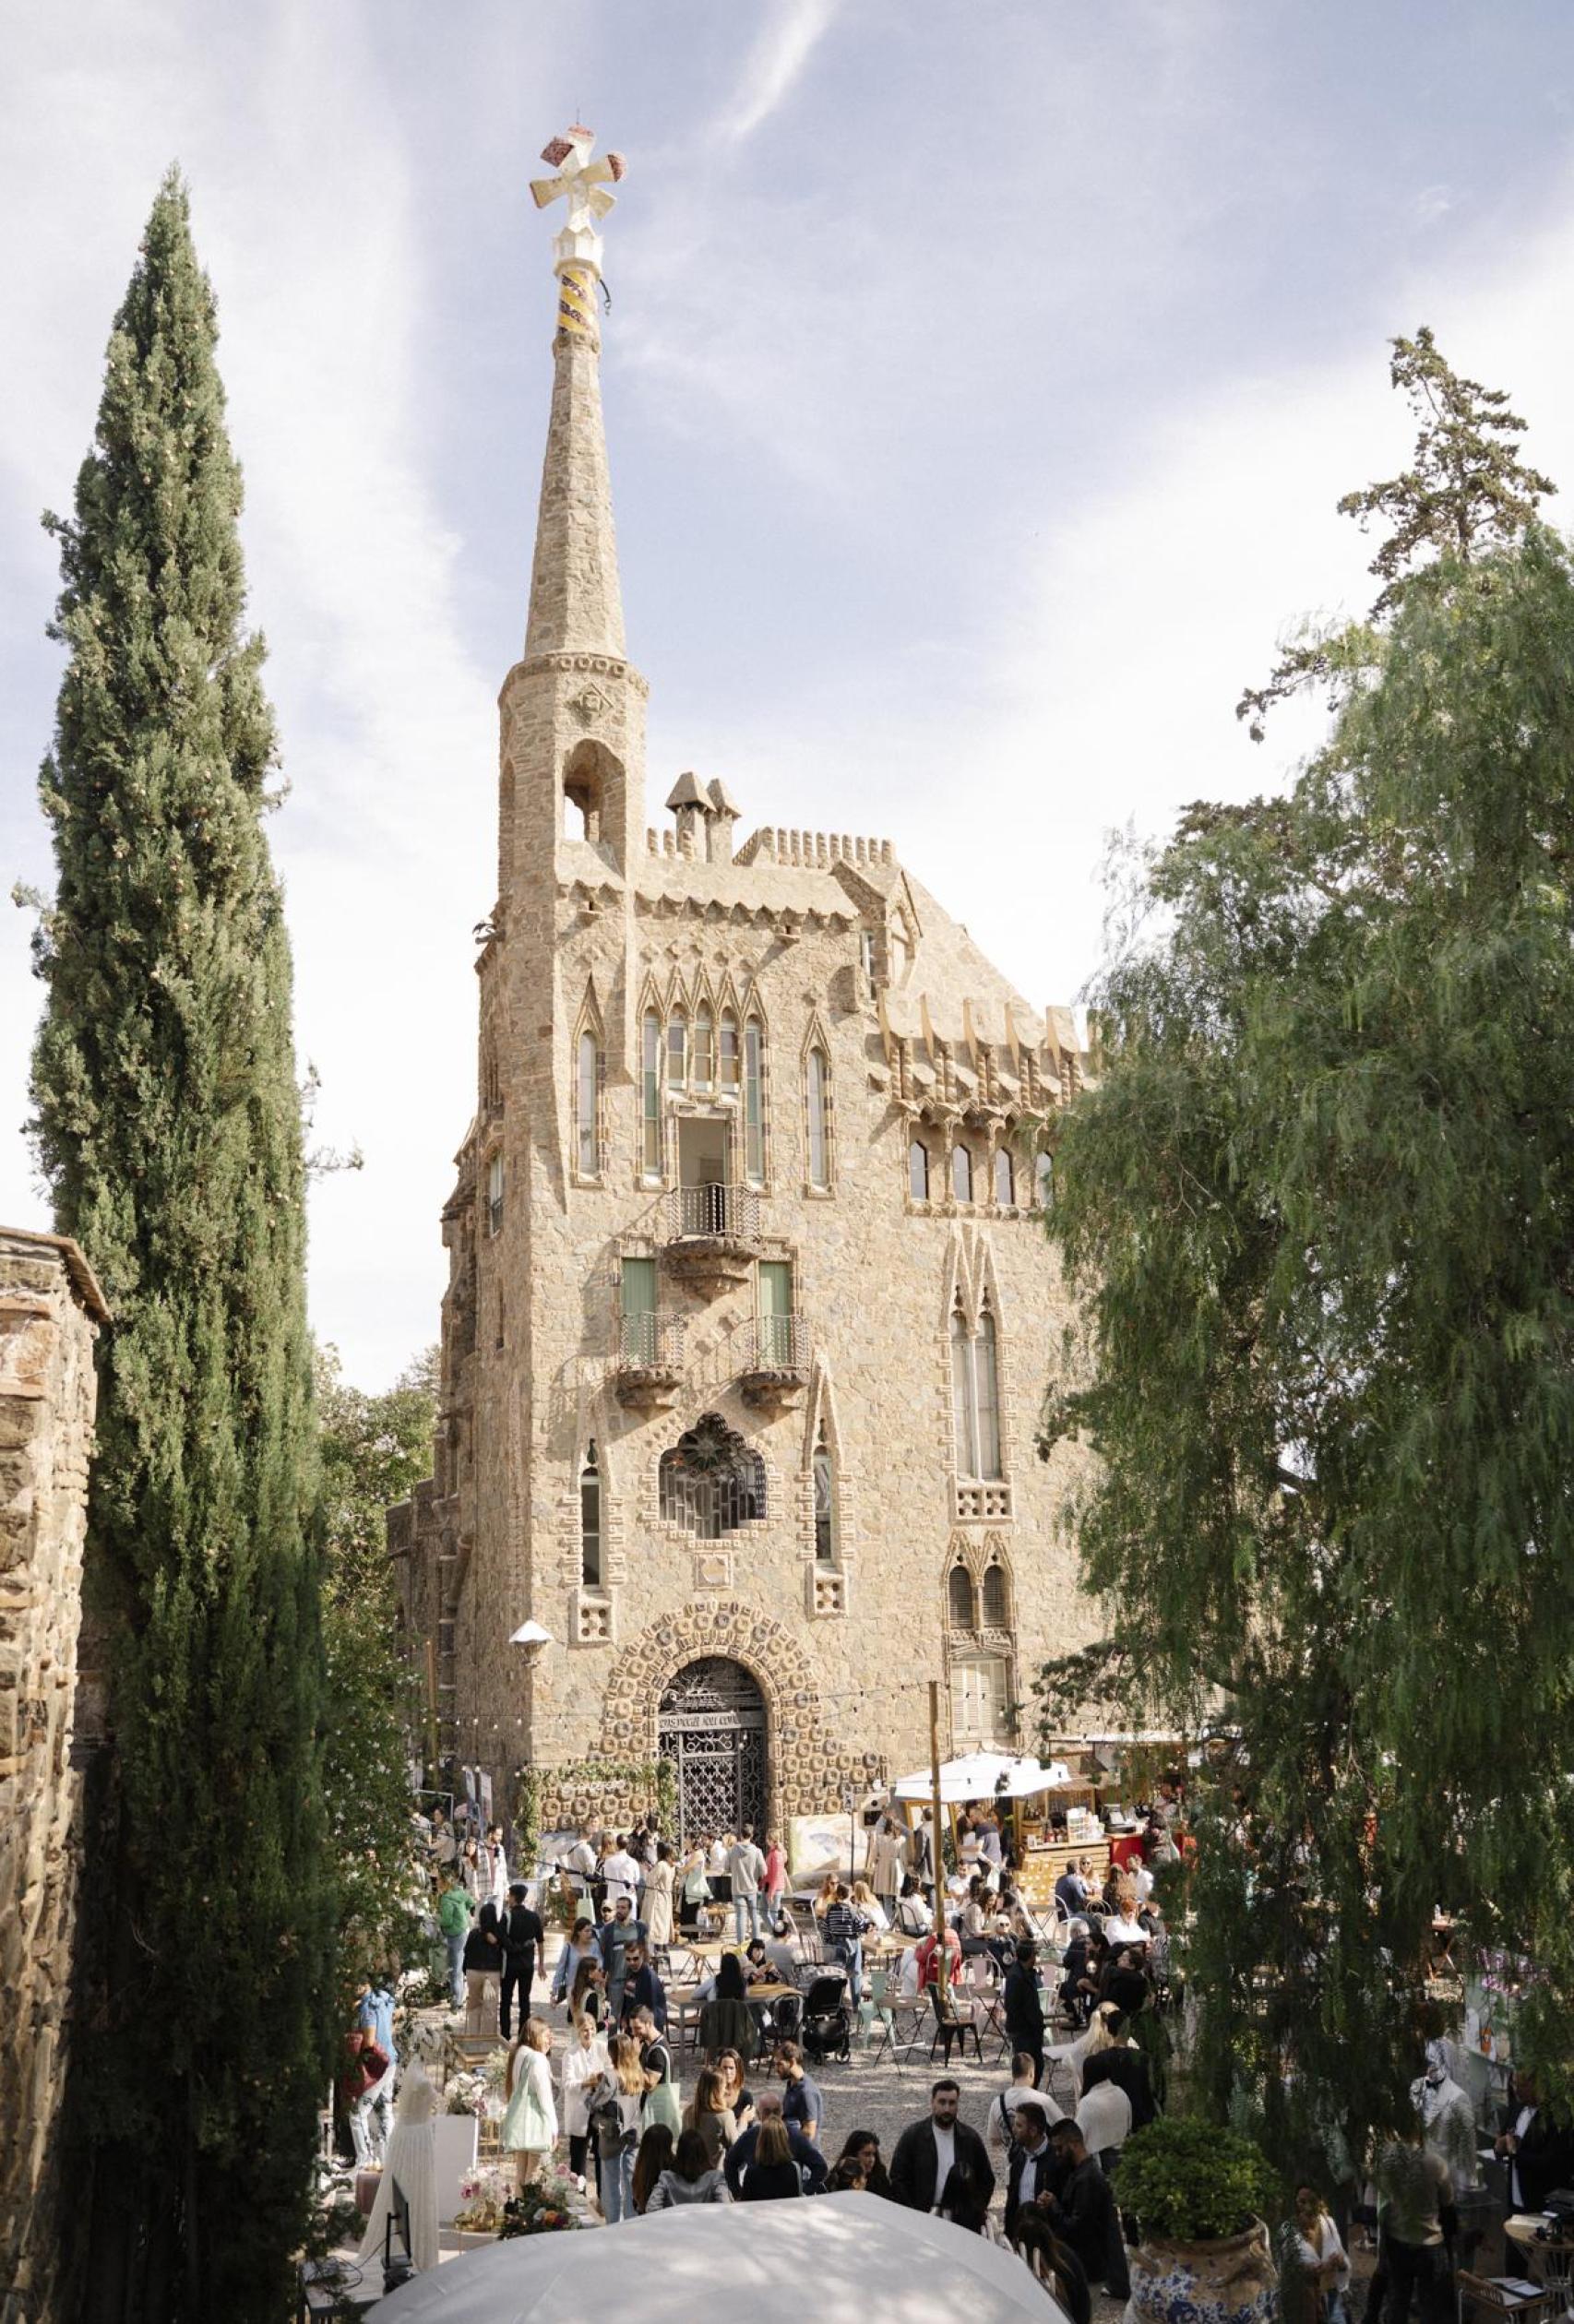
[[711, 1726]]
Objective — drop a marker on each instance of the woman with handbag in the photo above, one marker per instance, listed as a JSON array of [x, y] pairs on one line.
[[615, 2100], [530, 2121]]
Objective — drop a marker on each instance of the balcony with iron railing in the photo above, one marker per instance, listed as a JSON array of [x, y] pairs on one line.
[[712, 1235], [651, 1355], [775, 1354]]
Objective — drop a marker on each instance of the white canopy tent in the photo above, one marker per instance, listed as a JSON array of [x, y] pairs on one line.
[[977, 1777], [842, 2259]]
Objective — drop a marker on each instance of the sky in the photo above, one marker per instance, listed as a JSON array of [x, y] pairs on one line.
[[979, 380]]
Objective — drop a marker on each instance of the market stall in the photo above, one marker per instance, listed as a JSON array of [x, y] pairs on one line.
[[1050, 1814]]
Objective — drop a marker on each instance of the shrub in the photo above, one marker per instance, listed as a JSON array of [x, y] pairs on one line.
[[1191, 2181]]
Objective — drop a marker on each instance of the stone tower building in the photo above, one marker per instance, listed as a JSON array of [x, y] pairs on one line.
[[750, 1310]]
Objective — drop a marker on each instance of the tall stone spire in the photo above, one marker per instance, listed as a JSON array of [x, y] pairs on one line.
[[575, 602]]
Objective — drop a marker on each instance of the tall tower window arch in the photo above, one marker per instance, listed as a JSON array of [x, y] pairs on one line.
[[917, 1170], [959, 1598], [997, 1597], [586, 1106], [677, 1049], [650, 1097], [727, 1050], [591, 1567], [819, 1119], [1005, 1178], [704, 1058], [975, 1393], [961, 1171], [754, 1103], [825, 1502]]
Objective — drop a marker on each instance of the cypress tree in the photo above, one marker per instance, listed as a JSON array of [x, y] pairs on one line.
[[168, 1120]]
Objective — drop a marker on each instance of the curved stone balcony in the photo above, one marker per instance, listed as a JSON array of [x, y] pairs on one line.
[[650, 1356], [712, 1236], [775, 1352]]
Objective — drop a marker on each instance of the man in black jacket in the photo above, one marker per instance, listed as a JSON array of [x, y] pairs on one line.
[[1127, 2069], [941, 2165], [1032, 2168], [1084, 2213], [1024, 2005], [522, 1937], [805, 2154]]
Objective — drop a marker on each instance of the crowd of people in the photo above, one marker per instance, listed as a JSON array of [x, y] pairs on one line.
[[1083, 2015]]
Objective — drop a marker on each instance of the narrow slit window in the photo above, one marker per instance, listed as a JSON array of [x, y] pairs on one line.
[[754, 1103], [727, 1046], [1005, 1178], [918, 1171], [996, 1603], [964, 1415], [587, 1092], [987, 1397], [959, 1598], [591, 1521], [1043, 1181], [704, 1055], [650, 1090], [961, 1171], [494, 1195], [677, 1050], [824, 1503], [819, 1119]]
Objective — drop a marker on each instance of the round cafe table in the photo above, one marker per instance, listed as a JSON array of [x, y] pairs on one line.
[[1553, 2250]]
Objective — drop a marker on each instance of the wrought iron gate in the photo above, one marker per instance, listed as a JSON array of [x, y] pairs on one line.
[[711, 1726]]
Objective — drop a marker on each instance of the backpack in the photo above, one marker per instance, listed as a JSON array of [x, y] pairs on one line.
[[614, 2136]]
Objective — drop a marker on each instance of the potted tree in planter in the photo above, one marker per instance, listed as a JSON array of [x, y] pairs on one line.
[[1197, 2192]]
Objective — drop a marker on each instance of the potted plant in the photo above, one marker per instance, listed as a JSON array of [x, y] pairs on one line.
[[1197, 2192]]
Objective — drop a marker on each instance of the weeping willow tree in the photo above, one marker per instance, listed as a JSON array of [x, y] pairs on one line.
[[1319, 1212], [169, 1122]]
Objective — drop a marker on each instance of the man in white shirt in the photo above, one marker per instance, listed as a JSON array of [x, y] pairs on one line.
[[997, 2129], [1104, 2117], [579, 1863], [745, 1867], [621, 1874]]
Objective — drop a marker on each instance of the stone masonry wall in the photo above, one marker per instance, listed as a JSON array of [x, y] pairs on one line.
[[50, 1307]]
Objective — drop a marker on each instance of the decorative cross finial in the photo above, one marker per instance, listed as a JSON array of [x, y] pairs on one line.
[[582, 182]]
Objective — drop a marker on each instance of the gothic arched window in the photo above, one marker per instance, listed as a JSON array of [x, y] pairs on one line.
[[704, 1055], [1043, 1180], [677, 1050], [825, 1503], [959, 1598], [650, 1097], [819, 1118], [710, 1481], [963, 1416], [997, 1600], [961, 1171], [986, 1392], [591, 1521], [728, 1047], [918, 1171], [587, 1088], [1005, 1178], [754, 1103]]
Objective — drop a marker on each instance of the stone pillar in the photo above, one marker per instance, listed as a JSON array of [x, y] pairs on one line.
[[50, 1311]]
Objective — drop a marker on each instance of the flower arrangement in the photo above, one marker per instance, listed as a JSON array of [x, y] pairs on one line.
[[468, 2093], [484, 2197], [548, 2205]]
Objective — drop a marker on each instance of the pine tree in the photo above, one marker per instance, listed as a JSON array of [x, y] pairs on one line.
[[1320, 1212], [168, 1120]]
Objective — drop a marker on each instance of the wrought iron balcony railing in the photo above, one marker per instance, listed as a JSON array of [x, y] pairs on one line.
[[713, 1214], [776, 1343], [652, 1341]]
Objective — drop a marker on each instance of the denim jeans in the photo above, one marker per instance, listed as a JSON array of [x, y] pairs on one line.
[[456, 1952], [749, 1905], [616, 2175]]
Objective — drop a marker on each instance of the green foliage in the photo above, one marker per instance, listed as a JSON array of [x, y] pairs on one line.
[[1319, 1214], [1465, 495], [374, 1451], [1193, 2182], [168, 1121]]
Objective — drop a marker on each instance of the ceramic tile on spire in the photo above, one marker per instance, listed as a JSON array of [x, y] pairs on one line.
[[575, 599]]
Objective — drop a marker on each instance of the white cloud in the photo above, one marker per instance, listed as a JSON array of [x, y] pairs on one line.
[[775, 65]]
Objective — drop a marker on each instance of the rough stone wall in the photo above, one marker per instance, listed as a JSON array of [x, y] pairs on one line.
[[49, 1308]]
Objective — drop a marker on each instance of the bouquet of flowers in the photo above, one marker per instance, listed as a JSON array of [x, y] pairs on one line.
[[546, 2207], [468, 2094], [483, 2197], [493, 2070]]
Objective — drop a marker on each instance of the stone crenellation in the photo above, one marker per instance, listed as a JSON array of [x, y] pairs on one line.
[[51, 1309]]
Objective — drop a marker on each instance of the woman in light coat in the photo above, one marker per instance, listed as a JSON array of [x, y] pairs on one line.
[[659, 1897], [584, 2060]]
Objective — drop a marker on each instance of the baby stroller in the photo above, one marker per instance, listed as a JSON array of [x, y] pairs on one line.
[[827, 2027]]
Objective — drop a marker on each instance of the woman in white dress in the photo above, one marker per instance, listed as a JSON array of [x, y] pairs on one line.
[[659, 1897], [530, 2121], [412, 2163], [584, 2059]]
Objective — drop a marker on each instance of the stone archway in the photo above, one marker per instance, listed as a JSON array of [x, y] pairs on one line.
[[806, 1773]]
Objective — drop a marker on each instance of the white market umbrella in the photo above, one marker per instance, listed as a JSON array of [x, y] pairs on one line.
[[977, 1777], [838, 2258]]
